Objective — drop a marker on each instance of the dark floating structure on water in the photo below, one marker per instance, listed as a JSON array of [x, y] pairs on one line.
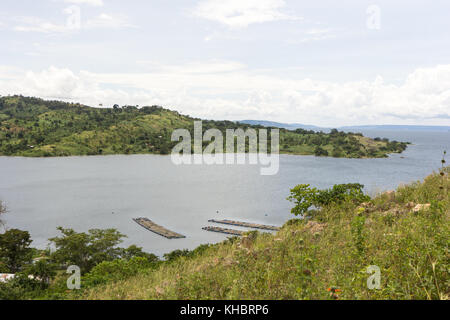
[[238, 224], [153, 227], [226, 231], [246, 224]]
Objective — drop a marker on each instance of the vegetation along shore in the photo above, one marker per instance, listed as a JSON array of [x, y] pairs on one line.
[[33, 127]]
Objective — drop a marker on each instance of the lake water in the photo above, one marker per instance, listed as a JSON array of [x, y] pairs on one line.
[[108, 191]]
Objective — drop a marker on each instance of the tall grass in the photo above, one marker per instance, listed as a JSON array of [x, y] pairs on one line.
[[312, 260]]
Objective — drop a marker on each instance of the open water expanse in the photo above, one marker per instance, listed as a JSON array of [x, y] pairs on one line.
[[108, 191]]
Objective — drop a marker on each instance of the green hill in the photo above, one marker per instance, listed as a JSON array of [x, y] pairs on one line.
[[33, 127]]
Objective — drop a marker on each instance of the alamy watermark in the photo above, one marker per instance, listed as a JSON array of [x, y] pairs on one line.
[[235, 149], [373, 21], [73, 21], [374, 281], [74, 281]]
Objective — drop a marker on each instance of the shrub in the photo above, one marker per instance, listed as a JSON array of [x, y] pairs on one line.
[[174, 255], [20, 288], [357, 228], [42, 270], [306, 197], [116, 270], [320, 152]]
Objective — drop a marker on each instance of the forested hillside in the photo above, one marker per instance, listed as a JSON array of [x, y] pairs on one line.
[[34, 127]]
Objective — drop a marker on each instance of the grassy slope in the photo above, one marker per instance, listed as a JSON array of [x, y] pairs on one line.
[[304, 259], [35, 128]]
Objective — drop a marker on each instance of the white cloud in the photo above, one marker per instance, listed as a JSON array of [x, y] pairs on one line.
[[239, 13], [33, 24], [311, 35], [108, 21], [102, 21], [95, 3], [228, 90], [318, 34], [208, 67], [53, 82]]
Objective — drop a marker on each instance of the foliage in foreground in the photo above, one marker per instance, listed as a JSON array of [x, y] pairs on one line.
[[323, 258], [96, 253]]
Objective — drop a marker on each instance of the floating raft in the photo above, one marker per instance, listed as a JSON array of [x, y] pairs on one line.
[[246, 225], [226, 231], [153, 227]]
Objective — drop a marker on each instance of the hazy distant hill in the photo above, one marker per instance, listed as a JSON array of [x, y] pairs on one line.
[[293, 126], [398, 127], [288, 126]]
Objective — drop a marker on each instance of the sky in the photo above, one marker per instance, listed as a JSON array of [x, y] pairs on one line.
[[323, 62]]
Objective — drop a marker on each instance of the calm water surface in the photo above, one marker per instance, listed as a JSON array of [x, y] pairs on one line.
[[107, 192]]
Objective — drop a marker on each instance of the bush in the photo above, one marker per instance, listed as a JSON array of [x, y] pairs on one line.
[[116, 270], [294, 222], [320, 152], [306, 197], [134, 251], [342, 192], [174, 255], [42, 270], [20, 288]]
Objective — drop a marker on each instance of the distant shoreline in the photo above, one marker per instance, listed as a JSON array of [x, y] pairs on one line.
[[393, 127], [168, 155]]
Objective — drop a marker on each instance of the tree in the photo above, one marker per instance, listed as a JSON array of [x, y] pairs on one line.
[[303, 196], [306, 197], [164, 149], [86, 249], [320, 152], [340, 193], [134, 251], [15, 251], [172, 256], [43, 271], [337, 153], [334, 132]]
